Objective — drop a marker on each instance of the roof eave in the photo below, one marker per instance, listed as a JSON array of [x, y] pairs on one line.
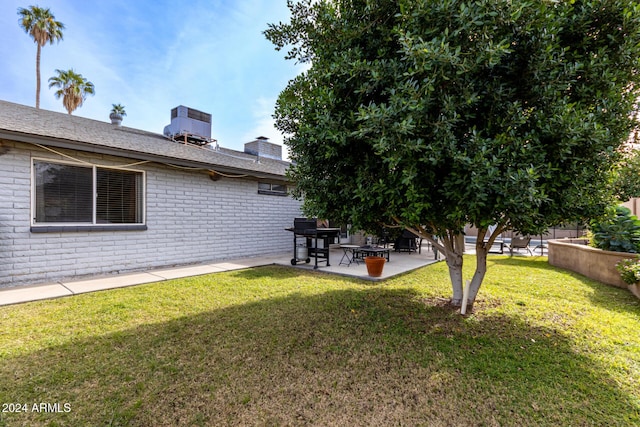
[[132, 154]]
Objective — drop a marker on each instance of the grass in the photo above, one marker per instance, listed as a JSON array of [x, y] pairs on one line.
[[278, 346]]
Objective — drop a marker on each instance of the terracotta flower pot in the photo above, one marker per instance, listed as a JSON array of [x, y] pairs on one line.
[[374, 264], [635, 289]]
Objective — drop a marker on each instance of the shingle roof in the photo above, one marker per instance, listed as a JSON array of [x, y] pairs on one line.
[[26, 124]]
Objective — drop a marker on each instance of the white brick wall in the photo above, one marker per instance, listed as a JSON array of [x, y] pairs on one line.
[[189, 218]]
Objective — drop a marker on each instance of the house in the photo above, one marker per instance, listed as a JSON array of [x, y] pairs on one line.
[[83, 197]]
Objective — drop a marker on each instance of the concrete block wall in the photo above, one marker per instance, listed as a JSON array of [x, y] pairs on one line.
[[576, 255], [190, 219]]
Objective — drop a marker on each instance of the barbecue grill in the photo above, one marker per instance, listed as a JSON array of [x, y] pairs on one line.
[[317, 240]]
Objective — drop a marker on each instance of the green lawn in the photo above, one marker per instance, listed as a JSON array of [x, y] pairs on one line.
[[279, 346]]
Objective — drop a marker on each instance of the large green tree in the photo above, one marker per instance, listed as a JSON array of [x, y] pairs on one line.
[[434, 114], [42, 26], [72, 88]]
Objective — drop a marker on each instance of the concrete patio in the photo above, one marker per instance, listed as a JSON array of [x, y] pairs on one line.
[[399, 263]]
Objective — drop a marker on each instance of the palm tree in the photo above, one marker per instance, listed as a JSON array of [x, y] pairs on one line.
[[40, 24], [72, 88]]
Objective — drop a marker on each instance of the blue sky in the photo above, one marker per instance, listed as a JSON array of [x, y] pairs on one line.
[[153, 55]]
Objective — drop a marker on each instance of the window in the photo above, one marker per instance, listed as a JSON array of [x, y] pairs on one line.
[[272, 189], [86, 195]]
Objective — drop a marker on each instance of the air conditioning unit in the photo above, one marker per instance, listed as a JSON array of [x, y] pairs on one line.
[[189, 125]]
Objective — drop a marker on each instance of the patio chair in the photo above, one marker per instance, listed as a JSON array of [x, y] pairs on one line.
[[520, 242], [408, 242], [383, 239]]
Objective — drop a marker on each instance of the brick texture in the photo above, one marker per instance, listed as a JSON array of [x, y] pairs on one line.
[[190, 219]]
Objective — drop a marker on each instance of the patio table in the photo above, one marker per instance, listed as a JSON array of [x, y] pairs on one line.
[[364, 251], [348, 254]]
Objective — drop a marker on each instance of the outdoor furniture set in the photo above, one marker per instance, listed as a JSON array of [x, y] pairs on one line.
[[312, 240], [406, 242], [356, 254]]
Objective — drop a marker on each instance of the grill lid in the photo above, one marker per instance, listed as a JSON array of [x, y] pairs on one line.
[[303, 224]]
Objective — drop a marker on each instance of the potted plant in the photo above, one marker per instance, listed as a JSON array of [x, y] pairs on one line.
[[374, 264], [629, 270], [117, 113]]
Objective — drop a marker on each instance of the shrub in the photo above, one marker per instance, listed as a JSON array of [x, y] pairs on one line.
[[627, 184], [629, 270], [617, 231]]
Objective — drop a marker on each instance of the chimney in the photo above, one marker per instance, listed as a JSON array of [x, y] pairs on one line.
[[261, 147]]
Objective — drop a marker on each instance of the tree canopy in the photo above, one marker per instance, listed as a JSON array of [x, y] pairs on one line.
[[73, 88], [431, 115]]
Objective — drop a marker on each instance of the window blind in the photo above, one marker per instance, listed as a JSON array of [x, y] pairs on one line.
[[64, 193]]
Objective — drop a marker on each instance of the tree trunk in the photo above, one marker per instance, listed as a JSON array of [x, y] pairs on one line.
[[452, 246], [453, 253], [478, 275], [482, 250], [454, 262], [38, 76]]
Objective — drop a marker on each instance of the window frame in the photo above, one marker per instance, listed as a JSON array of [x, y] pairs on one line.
[[271, 191], [94, 225]]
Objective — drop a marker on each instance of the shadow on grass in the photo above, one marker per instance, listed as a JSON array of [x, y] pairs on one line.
[[348, 357]]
